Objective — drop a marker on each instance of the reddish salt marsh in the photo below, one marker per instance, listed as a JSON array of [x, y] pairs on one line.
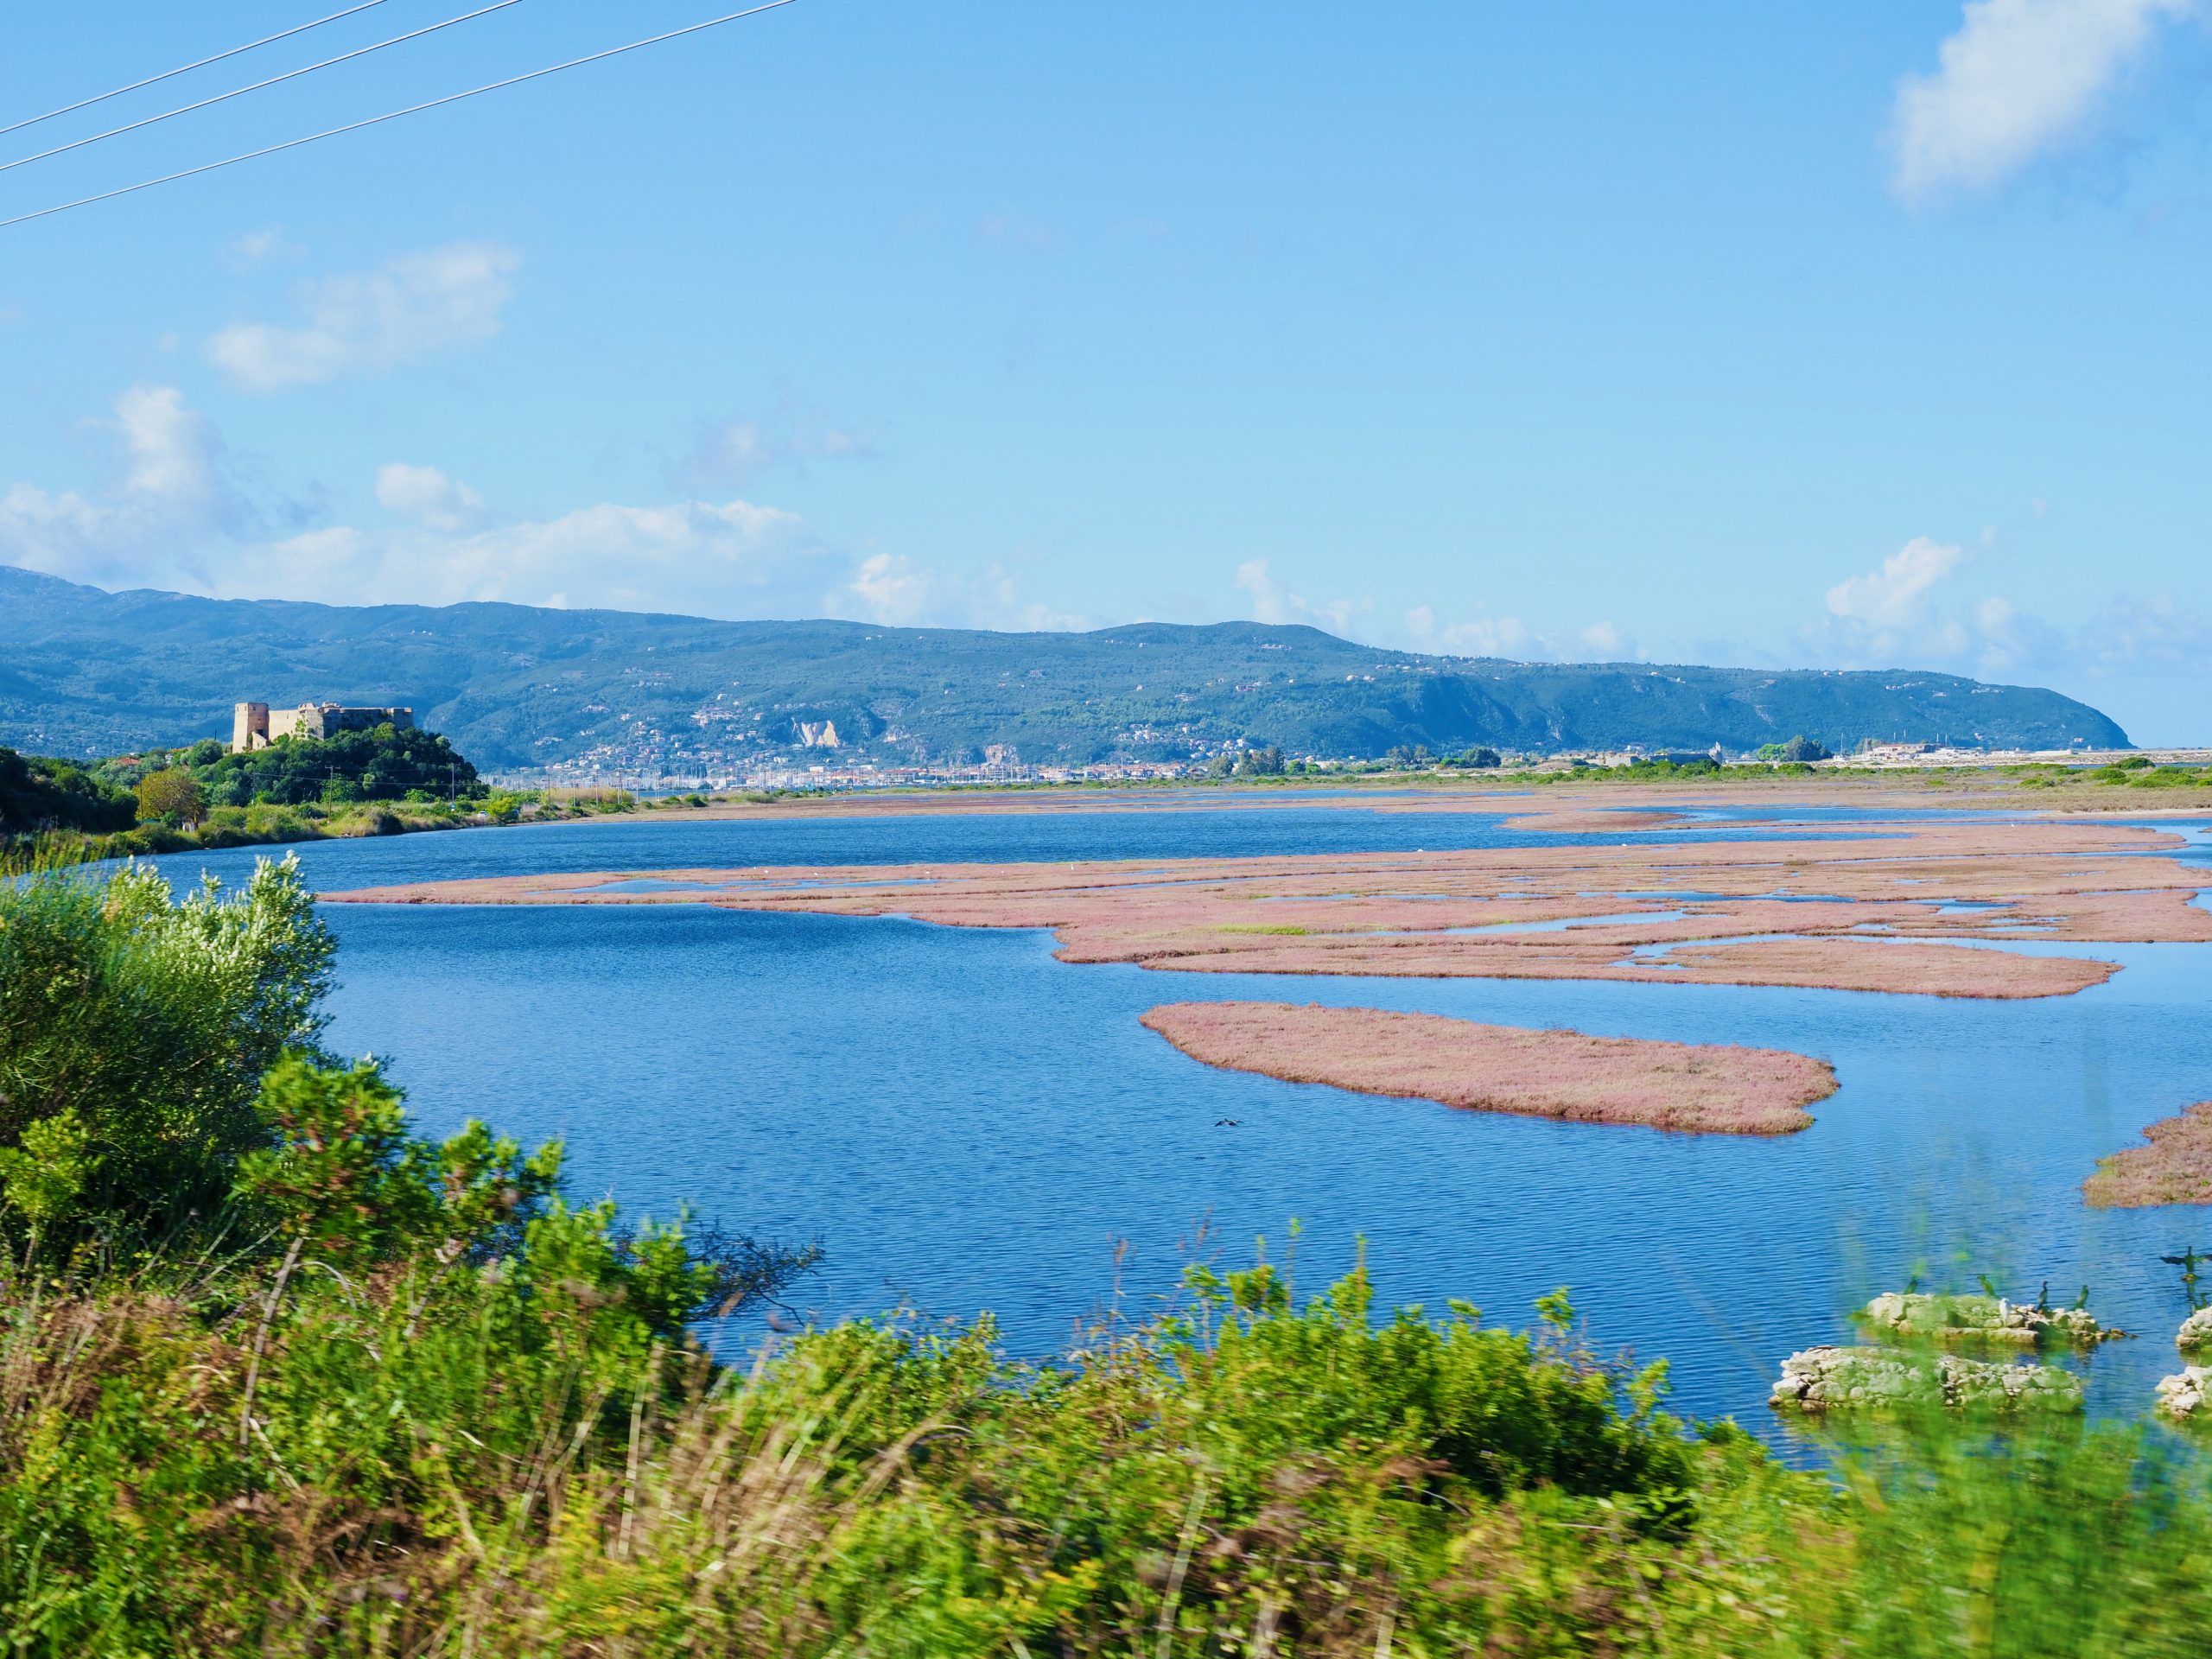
[[1912, 907], [2175, 1168], [1584, 821], [1700, 1088]]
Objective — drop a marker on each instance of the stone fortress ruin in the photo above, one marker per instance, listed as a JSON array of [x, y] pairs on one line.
[[255, 725]]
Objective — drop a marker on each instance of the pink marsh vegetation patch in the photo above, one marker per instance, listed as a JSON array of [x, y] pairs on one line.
[[1701, 1089], [2175, 1168], [1576, 821], [1813, 965], [1868, 910]]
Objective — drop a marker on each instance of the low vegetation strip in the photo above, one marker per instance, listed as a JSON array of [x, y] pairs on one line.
[[2175, 1168], [1704, 1088]]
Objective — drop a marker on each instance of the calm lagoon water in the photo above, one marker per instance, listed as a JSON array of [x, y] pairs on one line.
[[966, 1123]]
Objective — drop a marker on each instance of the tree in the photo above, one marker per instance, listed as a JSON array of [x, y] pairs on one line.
[[1802, 748], [38, 795], [387, 764], [171, 796]]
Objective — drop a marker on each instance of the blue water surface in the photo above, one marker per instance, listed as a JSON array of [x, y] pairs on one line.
[[966, 1123]]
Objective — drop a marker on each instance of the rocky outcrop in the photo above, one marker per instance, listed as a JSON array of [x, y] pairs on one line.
[[1984, 1318], [2182, 1396], [2196, 1333], [1833, 1378]]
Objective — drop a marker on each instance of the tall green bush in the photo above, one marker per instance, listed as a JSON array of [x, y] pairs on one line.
[[148, 1023]]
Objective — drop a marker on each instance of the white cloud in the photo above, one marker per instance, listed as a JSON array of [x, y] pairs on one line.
[[1479, 636], [735, 452], [1272, 602], [696, 558], [2132, 635], [1421, 629], [1605, 639], [426, 496], [2018, 80], [171, 518], [893, 589], [1009, 229], [171, 502], [890, 588], [1897, 617], [259, 247], [403, 311], [1895, 596], [173, 454], [731, 558], [1511, 637]]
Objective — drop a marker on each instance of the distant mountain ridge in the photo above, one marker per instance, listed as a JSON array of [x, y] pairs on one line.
[[84, 672]]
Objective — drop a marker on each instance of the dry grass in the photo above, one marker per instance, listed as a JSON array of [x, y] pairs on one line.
[[2175, 1168], [1705, 1089]]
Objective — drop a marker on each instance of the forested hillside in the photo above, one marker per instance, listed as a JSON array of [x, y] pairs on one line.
[[86, 673]]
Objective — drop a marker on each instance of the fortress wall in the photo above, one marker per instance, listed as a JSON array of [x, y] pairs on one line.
[[256, 725]]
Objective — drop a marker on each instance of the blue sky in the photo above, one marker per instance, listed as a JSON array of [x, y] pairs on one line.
[[1844, 336]]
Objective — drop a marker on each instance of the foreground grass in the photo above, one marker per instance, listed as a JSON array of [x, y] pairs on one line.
[[501, 1459]]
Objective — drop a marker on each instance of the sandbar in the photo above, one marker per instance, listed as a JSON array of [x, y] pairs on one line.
[[1699, 1089]]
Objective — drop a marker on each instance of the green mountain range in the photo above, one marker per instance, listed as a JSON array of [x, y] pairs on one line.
[[86, 672]]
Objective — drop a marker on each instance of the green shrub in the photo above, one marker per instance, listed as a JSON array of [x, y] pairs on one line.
[[152, 1021], [39, 795]]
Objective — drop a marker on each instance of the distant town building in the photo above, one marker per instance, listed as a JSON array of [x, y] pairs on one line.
[[256, 725]]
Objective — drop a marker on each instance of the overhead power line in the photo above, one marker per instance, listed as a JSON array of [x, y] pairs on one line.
[[171, 74], [240, 91], [394, 115]]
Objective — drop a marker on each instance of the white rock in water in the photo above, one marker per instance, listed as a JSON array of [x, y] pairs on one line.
[[2195, 1330], [1960, 1318], [2184, 1396], [1817, 1379]]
